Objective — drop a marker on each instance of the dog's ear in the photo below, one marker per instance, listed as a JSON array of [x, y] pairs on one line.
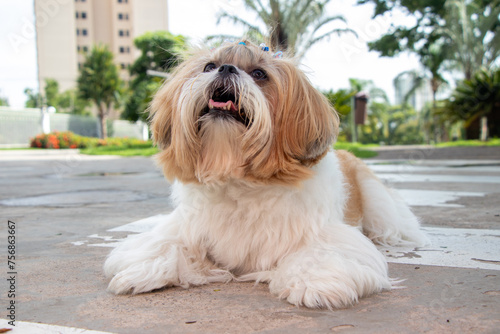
[[160, 116], [178, 150], [306, 123]]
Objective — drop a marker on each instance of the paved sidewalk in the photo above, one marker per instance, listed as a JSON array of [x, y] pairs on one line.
[[70, 209]]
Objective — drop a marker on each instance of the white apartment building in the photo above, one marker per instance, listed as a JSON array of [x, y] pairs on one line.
[[66, 29]]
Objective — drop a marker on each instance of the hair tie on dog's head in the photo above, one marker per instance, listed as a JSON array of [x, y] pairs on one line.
[[263, 47], [278, 55], [242, 43]]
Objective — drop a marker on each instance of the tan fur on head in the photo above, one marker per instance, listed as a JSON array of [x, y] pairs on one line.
[[288, 125]]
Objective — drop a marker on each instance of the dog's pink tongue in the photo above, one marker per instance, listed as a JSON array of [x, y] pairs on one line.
[[229, 105]]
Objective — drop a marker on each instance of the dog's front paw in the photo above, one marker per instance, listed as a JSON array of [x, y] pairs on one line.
[[142, 277], [142, 263], [329, 278], [326, 293]]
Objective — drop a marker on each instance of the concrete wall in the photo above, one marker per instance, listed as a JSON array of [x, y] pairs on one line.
[[17, 126]]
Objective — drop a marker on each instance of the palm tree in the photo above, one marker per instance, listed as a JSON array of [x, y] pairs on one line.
[[99, 82], [291, 25], [473, 31], [474, 99]]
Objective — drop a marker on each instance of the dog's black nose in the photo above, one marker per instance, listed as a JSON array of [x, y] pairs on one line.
[[226, 70]]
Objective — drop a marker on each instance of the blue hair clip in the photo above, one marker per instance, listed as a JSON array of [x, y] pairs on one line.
[[263, 47], [242, 43]]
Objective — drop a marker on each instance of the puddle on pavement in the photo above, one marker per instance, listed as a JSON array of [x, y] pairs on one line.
[[76, 198], [107, 174]]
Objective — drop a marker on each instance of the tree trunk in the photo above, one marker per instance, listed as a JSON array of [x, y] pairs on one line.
[[102, 121]]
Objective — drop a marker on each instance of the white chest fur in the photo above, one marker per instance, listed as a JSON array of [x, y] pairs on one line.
[[246, 227]]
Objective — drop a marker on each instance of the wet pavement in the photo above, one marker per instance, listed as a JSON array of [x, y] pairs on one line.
[[70, 209]]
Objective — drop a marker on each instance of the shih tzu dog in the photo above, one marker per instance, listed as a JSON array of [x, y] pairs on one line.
[[260, 195]]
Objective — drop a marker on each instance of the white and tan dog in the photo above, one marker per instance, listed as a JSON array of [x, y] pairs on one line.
[[259, 193]]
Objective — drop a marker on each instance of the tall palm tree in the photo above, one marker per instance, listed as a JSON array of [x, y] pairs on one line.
[[473, 29], [291, 25]]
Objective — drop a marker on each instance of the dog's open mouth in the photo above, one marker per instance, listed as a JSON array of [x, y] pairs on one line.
[[224, 104]]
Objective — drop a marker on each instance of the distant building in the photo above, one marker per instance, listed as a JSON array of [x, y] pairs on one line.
[[405, 82], [66, 29]]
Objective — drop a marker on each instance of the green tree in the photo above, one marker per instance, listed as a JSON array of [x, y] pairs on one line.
[[71, 102], [33, 100], [390, 125], [473, 99], [4, 101], [52, 93], [99, 82], [67, 101], [472, 29], [458, 32], [341, 100], [160, 51], [291, 25]]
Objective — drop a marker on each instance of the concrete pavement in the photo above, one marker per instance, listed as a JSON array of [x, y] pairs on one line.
[[69, 209]]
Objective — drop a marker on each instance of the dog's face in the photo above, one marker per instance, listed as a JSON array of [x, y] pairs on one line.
[[239, 113]]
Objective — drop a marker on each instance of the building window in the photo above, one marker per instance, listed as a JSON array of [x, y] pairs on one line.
[[84, 32], [120, 33], [85, 48], [82, 15], [122, 1], [77, 32], [123, 66], [78, 48], [120, 16], [122, 49], [123, 33]]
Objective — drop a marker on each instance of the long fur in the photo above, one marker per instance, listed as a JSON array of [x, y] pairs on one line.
[[266, 201]]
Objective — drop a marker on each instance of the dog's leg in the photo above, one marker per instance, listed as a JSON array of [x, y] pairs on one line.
[[331, 273], [385, 217], [158, 259]]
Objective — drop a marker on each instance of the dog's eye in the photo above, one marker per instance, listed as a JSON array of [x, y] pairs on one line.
[[209, 67], [258, 74]]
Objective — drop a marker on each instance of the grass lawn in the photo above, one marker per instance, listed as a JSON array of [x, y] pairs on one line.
[[143, 150], [361, 151], [458, 143]]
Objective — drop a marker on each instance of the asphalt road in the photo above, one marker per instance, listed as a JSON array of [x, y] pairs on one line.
[[70, 209]]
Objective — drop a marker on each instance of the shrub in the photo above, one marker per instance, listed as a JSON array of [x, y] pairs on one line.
[[67, 139], [56, 140]]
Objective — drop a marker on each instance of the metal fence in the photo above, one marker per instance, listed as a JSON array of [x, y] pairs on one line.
[[17, 126]]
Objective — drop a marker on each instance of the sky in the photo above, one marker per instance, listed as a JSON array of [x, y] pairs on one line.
[[329, 64]]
